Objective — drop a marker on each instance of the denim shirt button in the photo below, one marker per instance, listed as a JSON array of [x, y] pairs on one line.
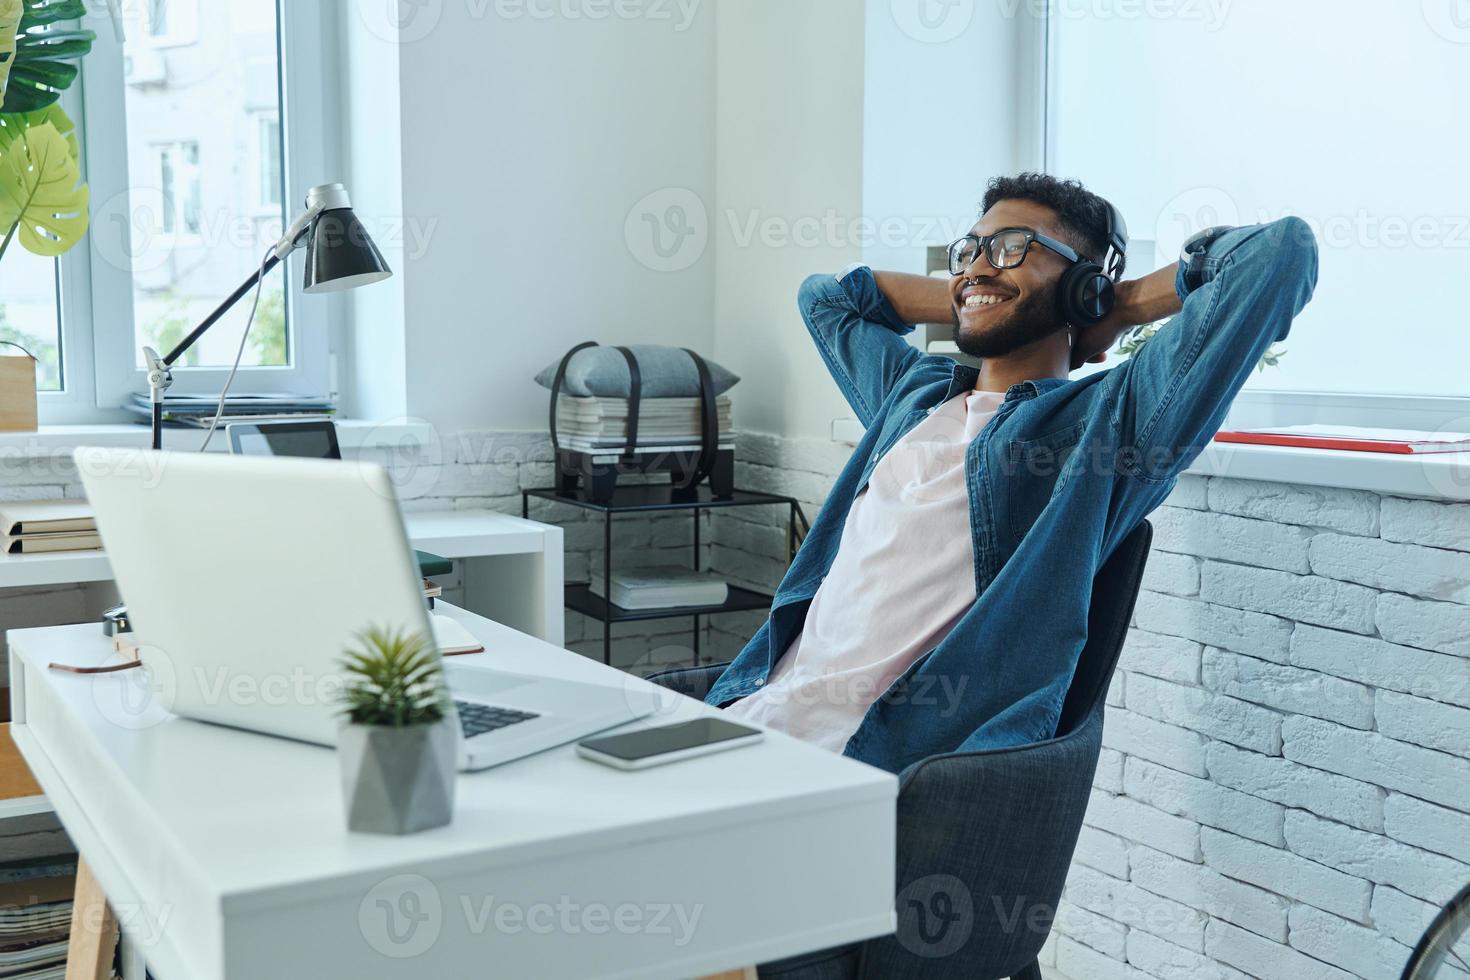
[[760, 682]]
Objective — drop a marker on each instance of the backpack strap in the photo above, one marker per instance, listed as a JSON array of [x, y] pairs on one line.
[[709, 424], [561, 374], [635, 398]]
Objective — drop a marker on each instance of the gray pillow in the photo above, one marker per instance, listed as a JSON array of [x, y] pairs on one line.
[[666, 372]]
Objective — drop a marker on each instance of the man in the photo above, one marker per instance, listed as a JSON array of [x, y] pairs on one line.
[[940, 600]]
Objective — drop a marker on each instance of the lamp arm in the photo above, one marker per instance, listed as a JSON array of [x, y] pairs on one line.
[[296, 234], [293, 238]]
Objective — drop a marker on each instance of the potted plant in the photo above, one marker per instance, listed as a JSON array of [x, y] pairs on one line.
[[397, 747]]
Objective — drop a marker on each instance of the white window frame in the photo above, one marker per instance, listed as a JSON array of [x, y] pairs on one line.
[[98, 350], [1256, 408]]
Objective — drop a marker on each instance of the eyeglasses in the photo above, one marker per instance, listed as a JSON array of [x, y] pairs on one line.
[[1006, 249]]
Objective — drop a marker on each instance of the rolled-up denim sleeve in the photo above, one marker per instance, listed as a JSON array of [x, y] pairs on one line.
[[1174, 394], [859, 335]]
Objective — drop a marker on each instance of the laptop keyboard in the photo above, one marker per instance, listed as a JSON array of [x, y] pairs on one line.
[[477, 719]]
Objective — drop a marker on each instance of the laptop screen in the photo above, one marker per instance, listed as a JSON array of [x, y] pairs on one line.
[[313, 440]]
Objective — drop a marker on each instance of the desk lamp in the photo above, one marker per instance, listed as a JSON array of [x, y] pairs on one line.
[[339, 255]]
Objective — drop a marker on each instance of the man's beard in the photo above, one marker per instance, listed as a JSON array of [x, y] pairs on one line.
[[1027, 321]]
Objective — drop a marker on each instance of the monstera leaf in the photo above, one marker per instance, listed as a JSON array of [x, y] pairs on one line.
[[10, 11], [42, 62], [42, 199]]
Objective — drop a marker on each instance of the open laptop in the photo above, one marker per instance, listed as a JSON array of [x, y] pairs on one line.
[[311, 439], [247, 578]]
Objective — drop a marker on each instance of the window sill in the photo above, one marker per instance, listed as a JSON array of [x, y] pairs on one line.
[[1442, 476], [56, 440]]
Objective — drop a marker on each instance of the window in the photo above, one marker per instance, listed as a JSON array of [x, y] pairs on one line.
[[268, 161], [28, 313], [158, 18], [181, 206], [171, 22], [190, 123], [1196, 114]]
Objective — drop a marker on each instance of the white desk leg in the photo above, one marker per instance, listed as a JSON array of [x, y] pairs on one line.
[[553, 589], [524, 592], [133, 967]]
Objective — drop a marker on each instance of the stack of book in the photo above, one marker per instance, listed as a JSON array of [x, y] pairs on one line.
[[33, 526], [35, 918], [198, 410], [660, 587], [592, 424]]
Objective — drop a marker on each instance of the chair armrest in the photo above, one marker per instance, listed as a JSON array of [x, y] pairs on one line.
[[694, 682], [985, 840]]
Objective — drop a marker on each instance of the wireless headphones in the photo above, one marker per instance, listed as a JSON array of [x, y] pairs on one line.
[[1085, 292]]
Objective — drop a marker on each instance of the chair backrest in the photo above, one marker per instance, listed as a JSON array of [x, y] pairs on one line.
[[1114, 591], [993, 830]]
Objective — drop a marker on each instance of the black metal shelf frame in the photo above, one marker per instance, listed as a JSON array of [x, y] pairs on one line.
[[652, 498]]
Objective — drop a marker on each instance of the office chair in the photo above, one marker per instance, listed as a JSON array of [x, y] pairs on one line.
[[991, 832]]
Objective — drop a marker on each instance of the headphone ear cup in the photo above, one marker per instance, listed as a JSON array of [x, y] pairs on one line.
[[1087, 295]]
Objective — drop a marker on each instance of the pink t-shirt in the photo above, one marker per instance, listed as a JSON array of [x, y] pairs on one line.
[[903, 576]]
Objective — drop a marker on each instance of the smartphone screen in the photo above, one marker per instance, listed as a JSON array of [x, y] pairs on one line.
[[648, 742]]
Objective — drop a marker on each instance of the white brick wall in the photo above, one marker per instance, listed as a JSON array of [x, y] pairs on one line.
[[1285, 787]]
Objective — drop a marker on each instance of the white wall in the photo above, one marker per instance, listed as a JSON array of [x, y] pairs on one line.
[[790, 139], [789, 151], [840, 138], [950, 100], [526, 139], [371, 355]]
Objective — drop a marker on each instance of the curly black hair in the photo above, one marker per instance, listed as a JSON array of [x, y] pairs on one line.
[[1083, 215]]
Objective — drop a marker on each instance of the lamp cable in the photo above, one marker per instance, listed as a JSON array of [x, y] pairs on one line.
[[240, 352]]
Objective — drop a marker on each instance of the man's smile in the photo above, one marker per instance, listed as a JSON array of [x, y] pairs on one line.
[[983, 297]]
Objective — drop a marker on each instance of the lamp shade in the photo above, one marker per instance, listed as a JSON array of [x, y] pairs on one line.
[[340, 254]]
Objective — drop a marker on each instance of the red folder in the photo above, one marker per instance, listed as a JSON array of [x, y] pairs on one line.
[[1354, 438]]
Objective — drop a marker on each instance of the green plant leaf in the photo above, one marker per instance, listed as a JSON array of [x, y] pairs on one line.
[[10, 13], [1133, 340], [42, 198], [41, 65], [12, 124], [395, 679]]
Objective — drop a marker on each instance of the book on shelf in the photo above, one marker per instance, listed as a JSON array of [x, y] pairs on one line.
[[45, 517], [660, 587], [34, 544], [590, 424], [1351, 437], [35, 919]]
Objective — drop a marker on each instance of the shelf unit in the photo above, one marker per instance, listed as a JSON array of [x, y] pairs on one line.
[[654, 498]]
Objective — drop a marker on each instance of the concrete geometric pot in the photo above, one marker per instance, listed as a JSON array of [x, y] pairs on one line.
[[398, 780]]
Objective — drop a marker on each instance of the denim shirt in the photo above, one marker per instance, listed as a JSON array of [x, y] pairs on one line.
[[1056, 480]]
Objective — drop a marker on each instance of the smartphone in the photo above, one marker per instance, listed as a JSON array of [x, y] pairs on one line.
[[667, 743]]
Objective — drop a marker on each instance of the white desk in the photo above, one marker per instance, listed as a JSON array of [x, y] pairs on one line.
[[224, 853], [512, 570]]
